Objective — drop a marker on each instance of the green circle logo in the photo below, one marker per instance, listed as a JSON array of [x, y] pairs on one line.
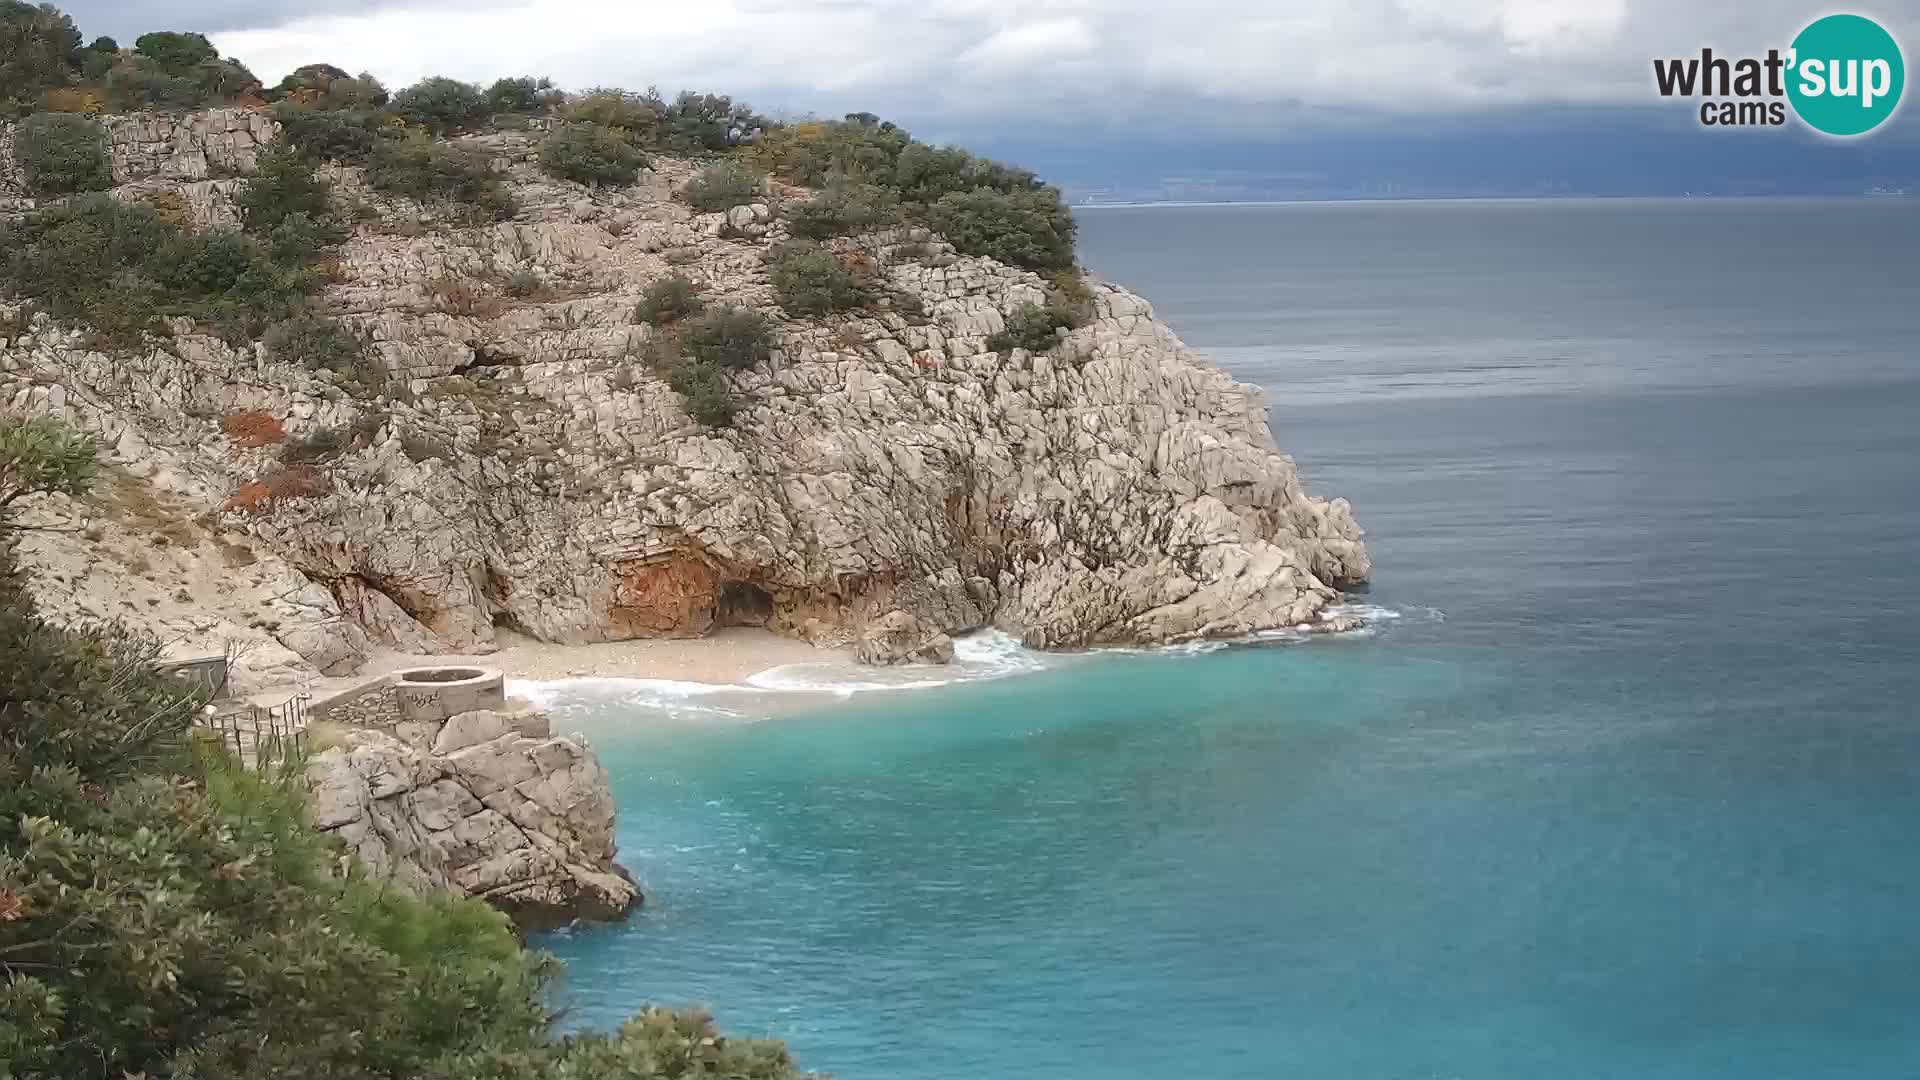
[[1846, 75]]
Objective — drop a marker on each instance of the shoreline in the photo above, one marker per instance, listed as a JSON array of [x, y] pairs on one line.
[[727, 657]]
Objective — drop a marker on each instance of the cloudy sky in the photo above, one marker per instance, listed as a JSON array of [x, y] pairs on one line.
[[1121, 63]]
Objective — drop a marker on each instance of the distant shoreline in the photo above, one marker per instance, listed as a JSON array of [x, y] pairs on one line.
[[1190, 203]]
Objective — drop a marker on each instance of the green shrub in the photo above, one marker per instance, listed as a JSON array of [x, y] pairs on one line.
[[1032, 229], [1032, 328], [722, 186], [170, 70], [843, 209], [731, 337], [704, 389], [287, 204], [525, 94], [432, 171], [175, 52], [62, 153], [118, 268], [810, 281], [348, 135], [696, 124], [668, 300], [591, 154], [39, 50], [313, 342], [637, 114], [441, 105], [314, 446]]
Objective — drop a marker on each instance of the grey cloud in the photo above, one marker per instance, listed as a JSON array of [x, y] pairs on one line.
[[1113, 63]]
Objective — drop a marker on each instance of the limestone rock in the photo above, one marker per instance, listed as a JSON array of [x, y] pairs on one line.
[[526, 471], [899, 637], [496, 809]]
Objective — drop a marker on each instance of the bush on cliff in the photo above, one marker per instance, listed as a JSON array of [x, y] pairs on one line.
[[164, 912], [318, 343], [1032, 229], [62, 153], [811, 282], [524, 94], [287, 204], [668, 301], [119, 267], [730, 337], [441, 105], [39, 50], [347, 135], [722, 186], [703, 388], [843, 209], [591, 154], [1032, 327], [169, 70], [432, 171]]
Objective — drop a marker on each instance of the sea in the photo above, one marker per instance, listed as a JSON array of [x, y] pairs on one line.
[[1621, 781]]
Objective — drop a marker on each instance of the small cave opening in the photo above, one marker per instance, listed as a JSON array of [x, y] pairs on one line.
[[743, 603]]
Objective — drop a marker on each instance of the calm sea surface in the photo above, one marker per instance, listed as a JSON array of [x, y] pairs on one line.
[[1625, 784]]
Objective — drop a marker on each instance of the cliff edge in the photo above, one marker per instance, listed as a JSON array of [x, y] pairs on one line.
[[521, 464]]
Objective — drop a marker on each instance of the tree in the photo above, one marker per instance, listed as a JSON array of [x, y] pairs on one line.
[[1032, 229], [524, 94], [591, 154], [62, 153], [176, 53], [441, 105], [39, 50]]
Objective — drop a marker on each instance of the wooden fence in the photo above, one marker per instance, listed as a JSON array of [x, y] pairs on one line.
[[260, 736]]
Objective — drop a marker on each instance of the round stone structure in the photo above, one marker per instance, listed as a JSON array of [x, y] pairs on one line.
[[430, 695]]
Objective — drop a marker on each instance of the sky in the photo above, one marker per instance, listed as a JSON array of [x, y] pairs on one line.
[[1091, 72]]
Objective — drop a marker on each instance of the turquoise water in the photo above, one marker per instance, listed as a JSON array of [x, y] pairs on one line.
[[1624, 783]]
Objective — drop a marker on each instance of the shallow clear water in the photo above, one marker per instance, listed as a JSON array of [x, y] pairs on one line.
[[1629, 788]]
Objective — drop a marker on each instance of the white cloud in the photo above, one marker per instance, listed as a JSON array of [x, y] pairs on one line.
[[1118, 61]]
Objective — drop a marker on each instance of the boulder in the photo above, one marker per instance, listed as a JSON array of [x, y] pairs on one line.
[[899, 637], [495, 809]]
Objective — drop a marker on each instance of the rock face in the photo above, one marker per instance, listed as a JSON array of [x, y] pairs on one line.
[[525, 468], [486, 804], [899, 637]]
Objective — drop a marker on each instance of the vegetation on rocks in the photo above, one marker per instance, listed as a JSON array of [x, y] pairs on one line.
[[437, 172], [843, 208], [119, 268], [164, 912], [442, 105], [62, 153], [669, 300], [811, 281], [735, 338], [704, 390], [592, 154], [1033, 328], [722, 186], [315, 342]]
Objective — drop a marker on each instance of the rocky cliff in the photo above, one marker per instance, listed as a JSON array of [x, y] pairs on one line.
[[523, 467], [486, 804]]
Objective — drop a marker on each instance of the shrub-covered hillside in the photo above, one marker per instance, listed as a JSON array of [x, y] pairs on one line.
[[165, 913], [121, 269]]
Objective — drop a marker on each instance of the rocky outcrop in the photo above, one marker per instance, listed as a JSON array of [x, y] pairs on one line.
[[486, 804], [526, 468], [899, 637]]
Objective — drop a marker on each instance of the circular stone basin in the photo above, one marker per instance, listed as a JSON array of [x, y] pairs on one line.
[[432, 694]]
